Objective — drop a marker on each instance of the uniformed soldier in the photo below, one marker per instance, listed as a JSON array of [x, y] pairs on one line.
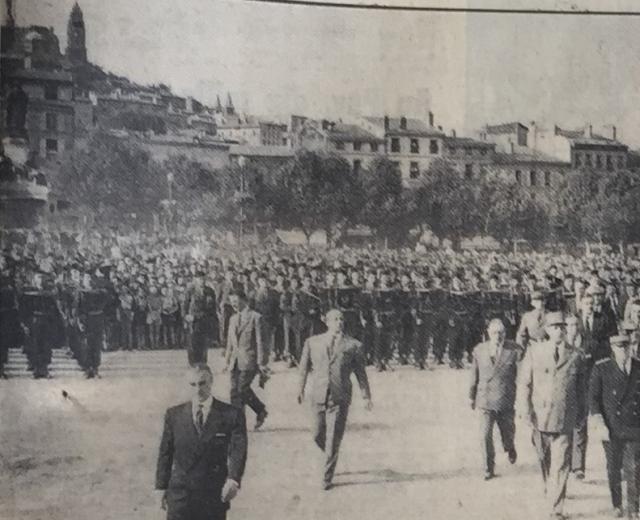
[[9, 322], [367, 315], [407, 319], [38, 307], [91, 302], [614, 405], [438, 304], [346, 300], [198, 308], [386, 305], [532, 323], [458, 323]]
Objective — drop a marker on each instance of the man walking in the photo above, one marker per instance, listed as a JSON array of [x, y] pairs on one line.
[[247, 355], [493, 392], [550, 398], [614, 407], [202, 454], [333, 357]]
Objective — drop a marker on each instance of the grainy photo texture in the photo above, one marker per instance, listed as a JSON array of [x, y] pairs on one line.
[[290, 260]]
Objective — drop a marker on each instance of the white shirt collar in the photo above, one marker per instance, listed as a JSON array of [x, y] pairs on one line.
[[206, 408]]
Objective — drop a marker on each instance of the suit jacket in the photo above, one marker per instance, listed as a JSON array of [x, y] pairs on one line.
[[332, 375], [596, 339], [551, 394], [531, 328], [493, 381], [245, 346], [617, 398], [190, 463]]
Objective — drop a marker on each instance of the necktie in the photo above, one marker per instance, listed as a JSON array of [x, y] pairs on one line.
[[332, 346], [199, 419], [556, 354]]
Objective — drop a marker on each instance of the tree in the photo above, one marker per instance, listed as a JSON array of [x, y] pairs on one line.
[[319, 192], [387, 206], [444, 202]]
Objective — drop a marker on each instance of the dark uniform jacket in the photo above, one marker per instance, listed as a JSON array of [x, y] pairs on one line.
[[617, 398], [189, 463]]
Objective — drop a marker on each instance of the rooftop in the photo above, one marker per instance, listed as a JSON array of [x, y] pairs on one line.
[[467, 142], [414, 126], [43, 75], [528, 156], [505, 128], [347, 133]]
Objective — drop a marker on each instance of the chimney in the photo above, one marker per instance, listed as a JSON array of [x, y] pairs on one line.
[[403, 123], [590, 134], [431, 118], [556, 130], [614, 133], [453, 133], [386, 122]]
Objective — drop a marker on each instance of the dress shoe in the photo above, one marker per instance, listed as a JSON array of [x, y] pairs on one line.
[[579, 474], [260, 418], [513, 456], [326, 486], [488, 475], [617, 512]]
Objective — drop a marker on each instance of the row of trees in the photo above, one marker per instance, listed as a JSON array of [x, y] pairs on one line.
[[112, 178]]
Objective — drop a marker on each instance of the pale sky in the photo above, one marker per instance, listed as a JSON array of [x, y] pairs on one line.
[[467, 68]]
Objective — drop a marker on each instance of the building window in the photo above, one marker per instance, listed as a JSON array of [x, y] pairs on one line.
[[533, 178], [374, 147], [621, 161], [414, 170], [518, 176], [415, 146], [51, 121], [357, 145], [396, 165], [468, 171], [52, 145], [578, 159], [433, 146], [339, 145], [547, 179], [357, 166], [598, 161], [395, 144], [609, 162], [51, 91], [587, 159]]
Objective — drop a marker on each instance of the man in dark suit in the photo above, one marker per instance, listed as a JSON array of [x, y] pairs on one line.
[[494, 371], [333, 357], [597, 325], [247, 355], [614, 391], [202, 454]]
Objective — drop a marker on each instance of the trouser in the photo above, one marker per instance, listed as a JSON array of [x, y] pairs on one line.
[[368, 340], [457, 338], [226, 312], [382, 345], [507, 428], [167, 329], [623, 464], [241, 391], [278, 341], [419, 343], [40, 346], [155, 335], [329, 423], [554, 455], [197, 351], [407, 331], [439, 332], [579, 448], [292, 337], [126, 331], [94, 332]]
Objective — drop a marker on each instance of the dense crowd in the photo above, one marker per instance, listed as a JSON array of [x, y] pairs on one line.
[[140, 292]]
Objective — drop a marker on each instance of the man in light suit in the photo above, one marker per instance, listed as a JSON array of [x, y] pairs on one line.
[[532, 323], [246, 355], [494, 371], [550, 398], [202, 454], [333, 357]]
